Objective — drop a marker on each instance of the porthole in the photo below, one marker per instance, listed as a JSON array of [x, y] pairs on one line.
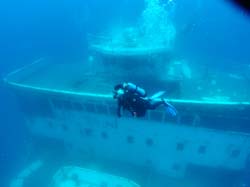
[[149, 142], [176, 167], [86, 132], [104, 135], [202, 149], [180, 146], [130, 139], [65, 127], [235, 153]]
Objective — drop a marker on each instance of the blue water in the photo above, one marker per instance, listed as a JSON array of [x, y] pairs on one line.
[[213, 32]]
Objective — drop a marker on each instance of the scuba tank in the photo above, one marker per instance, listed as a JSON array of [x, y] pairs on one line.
[[134, 88]]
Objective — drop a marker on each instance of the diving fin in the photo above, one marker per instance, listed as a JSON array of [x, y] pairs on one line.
[[170, 108]]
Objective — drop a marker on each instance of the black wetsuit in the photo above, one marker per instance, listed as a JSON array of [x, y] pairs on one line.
[[132, 102], [126, 103], [135, 102]]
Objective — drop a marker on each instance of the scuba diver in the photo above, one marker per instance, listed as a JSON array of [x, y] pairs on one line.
[[134, 99]]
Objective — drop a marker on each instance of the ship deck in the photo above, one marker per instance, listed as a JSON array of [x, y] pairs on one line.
[[74, 83], [76, 79], [60, 77]]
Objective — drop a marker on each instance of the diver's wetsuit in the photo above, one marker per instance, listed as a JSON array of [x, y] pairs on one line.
[[143, 104], [134, 100], [124, 102], [130, 100]]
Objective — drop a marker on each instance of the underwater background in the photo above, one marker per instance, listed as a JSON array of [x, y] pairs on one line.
[[212, 32]]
